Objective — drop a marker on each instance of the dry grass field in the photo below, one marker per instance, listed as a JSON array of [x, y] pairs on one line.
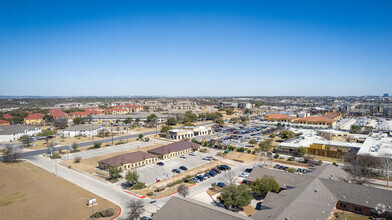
[[88, 165], [245, 157], [29, 192]]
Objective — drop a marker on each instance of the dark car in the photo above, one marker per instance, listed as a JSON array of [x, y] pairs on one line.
[[200, 177], [176, 171], [248, 170], [222, 168], [226, 167], [277, 166], [221, 184], [281, 167], [285, 168], [216, 170], [160, 163], [183, 168], [207, 175], [299, 170], [212, 173]]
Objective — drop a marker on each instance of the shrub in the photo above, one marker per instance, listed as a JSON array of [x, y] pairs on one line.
[[55, 156], [319, 162], [249, 151], [175, 183], [138, 185], [97, 145], [107, 212], [146, 139], [335, 164], [161, 188], [291, 159], [96, 215], [203, 150], [77, 159], [140, 136], [276, 156], [150, 194], [213, 185], [118, 143]]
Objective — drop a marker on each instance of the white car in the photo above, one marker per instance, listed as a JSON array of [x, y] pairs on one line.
[[207, 158], [192, 153], [183, 156], [244, 175]]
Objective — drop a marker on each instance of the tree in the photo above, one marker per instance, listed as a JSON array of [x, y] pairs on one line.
[[301, 151], [10, 154], [266, 145], [189, 124], [104, 133], [61, 122], [152, 117], [128, 120], [26, 140], [236, 196], [183, 190], [131, 177], [141, 136], [165, 128], [248, 111], [253, 142], [97, 145], [171, 121], [386, 164], [78, 121], [272, 135], [264, 185], [229, 111], [146, 108], [115, 173], [75, 147], [48, 118], [219, 121], [192, 117], [243, 119], [136, 208], [360, 166], [46, 133], [233, 120], [355, 129], [286, 134]]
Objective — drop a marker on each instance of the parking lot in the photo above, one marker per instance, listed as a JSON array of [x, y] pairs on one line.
[[148, 174]]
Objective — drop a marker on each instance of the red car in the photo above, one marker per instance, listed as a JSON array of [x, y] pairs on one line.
[[216, 170]]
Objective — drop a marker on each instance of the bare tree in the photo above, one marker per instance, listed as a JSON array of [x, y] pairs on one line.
[[386, 164], [26, 140], [136, 208], [10, 154], [360, 166], [183, 190], [61, 122], [228, 177]]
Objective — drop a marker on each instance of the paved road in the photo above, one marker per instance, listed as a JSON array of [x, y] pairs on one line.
[[83, 144]]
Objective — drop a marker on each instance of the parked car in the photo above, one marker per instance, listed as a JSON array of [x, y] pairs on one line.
[[277, 166], [285, 168], [226, 167], [299, 170], [212, 173], [207, 175], [281, 167], [200, 177], [248, 170], [176, 171], [183, 168], [207, 158], [216, 170], [196, 180], [244, 175], [183, 156], [192, 153], [221, 184], [160, 163]]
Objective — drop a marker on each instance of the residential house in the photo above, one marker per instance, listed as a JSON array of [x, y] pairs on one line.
[[174, 149], [8, 116], [14, 132], [115, 111], [81, 130], [4, 122], [128, 161], [34, 119]]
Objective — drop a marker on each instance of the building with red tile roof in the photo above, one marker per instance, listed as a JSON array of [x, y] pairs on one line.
[[326, 119], [4, 122], [8, 116], [34, 118], [280, 117], [115, 111]]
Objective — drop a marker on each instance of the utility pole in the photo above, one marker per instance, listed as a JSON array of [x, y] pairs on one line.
[[92, 128]]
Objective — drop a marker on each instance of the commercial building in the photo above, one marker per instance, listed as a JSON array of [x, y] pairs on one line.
[[188, 132], [14, 132], [81, 130], [318, 194], [328, 119], [280, 117], [174, 149], [128, 161]]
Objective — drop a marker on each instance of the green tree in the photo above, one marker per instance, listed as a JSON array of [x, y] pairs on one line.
[[171, 121], [151, 117], [355, 129], [189, 124], [253, 142], [165, 128], [128, 120], [192, 117], [46, 133], [97, 145], [301, 151], [131, 177], [233, 120], [78, 121], [266, 145], [115, 173], [286, 134], [243, 119], [248, 111], [272, 135], [141, 136], [219, 121], [264, 185], [229, 111], [75, 147], [236, 196], [48, 118], [26, 140]]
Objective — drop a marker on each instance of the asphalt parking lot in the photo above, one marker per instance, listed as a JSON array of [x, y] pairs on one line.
[[148, 174]]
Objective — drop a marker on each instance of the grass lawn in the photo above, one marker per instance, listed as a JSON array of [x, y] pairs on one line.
[[213, 191], [245, 157], [349, 216], [249, 210], [88, 165], [29, 192], [332, 160]]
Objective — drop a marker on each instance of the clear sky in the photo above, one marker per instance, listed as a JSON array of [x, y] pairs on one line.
[[192, 48]]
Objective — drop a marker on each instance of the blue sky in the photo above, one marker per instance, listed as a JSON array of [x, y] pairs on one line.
[[192, 48]]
